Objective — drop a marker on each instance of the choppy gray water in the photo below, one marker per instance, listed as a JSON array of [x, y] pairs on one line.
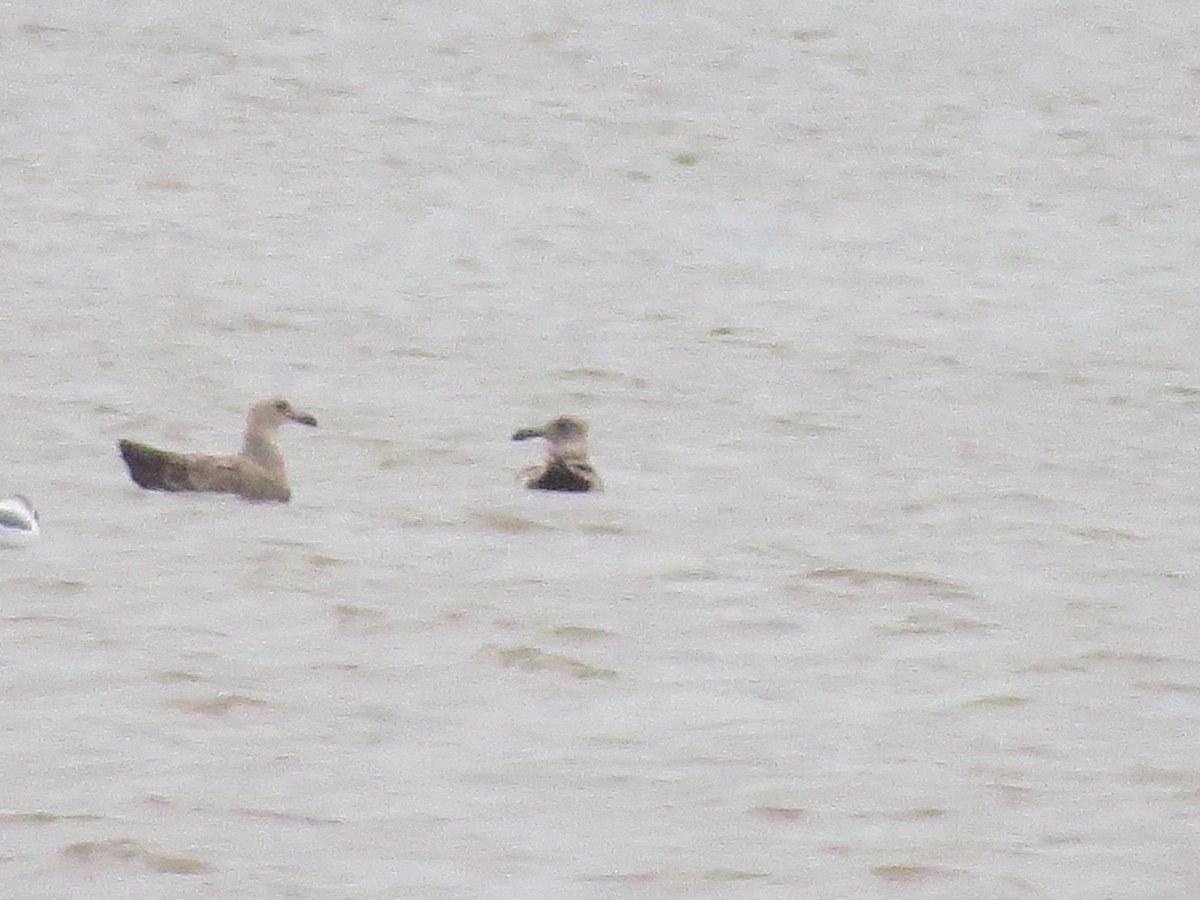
[[883, 317]]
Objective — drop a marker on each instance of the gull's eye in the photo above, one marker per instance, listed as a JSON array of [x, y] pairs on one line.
[[281, 406]]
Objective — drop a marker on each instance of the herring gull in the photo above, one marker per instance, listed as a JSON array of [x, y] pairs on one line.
[[257, 473], [566, 467]]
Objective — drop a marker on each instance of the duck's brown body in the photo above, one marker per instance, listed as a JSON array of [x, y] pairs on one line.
[[257, 473]]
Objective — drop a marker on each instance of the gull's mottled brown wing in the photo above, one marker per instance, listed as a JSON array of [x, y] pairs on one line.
[[235, 475], [561, 475], [162, 470], [154, 469]]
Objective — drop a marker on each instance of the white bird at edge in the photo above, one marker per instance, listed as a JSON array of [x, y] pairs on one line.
[[18, 521]]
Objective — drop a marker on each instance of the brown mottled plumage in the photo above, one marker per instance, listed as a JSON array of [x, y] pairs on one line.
[[566, 467], [257, 473]]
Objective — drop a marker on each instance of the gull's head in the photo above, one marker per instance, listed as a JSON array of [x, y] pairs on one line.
[[19, 522], [269, 414], [565, 435]]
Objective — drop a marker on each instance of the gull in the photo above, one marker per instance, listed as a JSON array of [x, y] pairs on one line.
[[257, 473], [18, 521], [566, 467]]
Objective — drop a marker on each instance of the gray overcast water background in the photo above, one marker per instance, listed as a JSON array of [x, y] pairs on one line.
[[883, 315]]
